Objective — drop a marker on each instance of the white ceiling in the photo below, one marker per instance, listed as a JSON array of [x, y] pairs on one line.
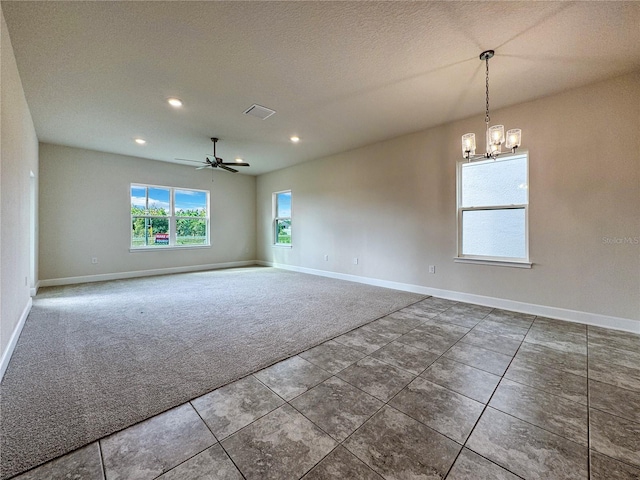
[[339, 74]]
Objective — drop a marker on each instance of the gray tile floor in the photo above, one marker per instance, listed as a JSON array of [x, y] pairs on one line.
[[437, 390]]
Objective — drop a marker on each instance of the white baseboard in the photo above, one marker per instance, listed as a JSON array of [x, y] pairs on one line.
[[6, 355], [53, 282], [587, 318]]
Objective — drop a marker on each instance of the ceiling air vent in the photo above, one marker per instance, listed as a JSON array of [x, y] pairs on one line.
[[259, 111]]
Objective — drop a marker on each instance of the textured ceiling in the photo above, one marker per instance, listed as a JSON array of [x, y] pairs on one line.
[[339, 74]]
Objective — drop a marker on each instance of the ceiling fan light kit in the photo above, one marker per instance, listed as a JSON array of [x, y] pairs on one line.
[[494, 136]]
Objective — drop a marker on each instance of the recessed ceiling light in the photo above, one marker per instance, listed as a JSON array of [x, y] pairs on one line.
[[295, 139], [175, 102], [140, 141], [239, 160]]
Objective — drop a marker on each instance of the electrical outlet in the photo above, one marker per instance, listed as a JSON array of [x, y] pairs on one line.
[[326, 257], [432, 269], [355, 260], [94, 260]]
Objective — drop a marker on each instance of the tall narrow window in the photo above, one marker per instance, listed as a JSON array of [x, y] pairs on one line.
[[167, 216], [493, 200], [282, 218]]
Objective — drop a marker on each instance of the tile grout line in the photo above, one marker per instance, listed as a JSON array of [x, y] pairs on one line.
[[218, 441], [486, 405], [102, 467]]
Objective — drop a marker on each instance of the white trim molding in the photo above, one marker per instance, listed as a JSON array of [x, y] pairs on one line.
[[6, 355], [52, 282], [576, 316]]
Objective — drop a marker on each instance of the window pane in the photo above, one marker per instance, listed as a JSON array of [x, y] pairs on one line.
[[158, 201], [283, 204], [138, 199], [149, 231], [499, 182], [191, 231], [494, 233], [283, 231], [190, 203]]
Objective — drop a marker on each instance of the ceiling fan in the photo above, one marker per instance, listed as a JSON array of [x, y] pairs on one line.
[[217, 162]]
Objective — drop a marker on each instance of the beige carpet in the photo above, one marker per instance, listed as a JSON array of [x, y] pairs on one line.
[[95, 358]]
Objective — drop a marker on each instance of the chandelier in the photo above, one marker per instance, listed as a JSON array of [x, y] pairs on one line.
[[494, 136]]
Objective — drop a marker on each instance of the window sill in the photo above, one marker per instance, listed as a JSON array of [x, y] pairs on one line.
[[496, 263], [173, 247], [282, 245]]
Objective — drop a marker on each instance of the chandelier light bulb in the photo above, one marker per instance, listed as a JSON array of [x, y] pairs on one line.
[[514, 138]]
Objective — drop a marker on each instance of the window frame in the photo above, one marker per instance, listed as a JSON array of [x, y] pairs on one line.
[[172, 218], [519, 262], [276, 218]]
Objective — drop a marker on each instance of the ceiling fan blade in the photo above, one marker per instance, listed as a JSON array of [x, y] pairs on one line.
[[223, 166], [203, 166], [237, 164]]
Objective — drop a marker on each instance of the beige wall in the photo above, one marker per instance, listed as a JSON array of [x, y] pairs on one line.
[[85, 205], [18, 158], [393, 206]]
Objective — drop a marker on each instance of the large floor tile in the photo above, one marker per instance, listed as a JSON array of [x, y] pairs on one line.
[[554, 325], [614, 436], [615, 400], [337, 407], [614, 374], [550, 380], [332, 356], [526, 450], [419, 311], [471, 466], [212, 464], [499, 328], [445, 411], [408, 319], [399, 447], [603, 352], [563, 341], [155, 446], [606, 468], [376, 378], [493, 342], [406, 357], [446, 330], [436, 303], [84, 463], [456, 317], [510, 318], [363, 340], [282, 445], [614, 338], [234, 406], [555, 414], [391, 327], [478, 357], [291, 377], [575, 363], [427, 341], [509, 315], [341, 464], [471, 382]]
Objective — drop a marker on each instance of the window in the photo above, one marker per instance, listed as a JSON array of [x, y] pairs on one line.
[[168, 217], [493, 199], [282, 218]]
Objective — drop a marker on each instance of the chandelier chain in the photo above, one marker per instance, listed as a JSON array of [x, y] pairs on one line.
[[486, 118]]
